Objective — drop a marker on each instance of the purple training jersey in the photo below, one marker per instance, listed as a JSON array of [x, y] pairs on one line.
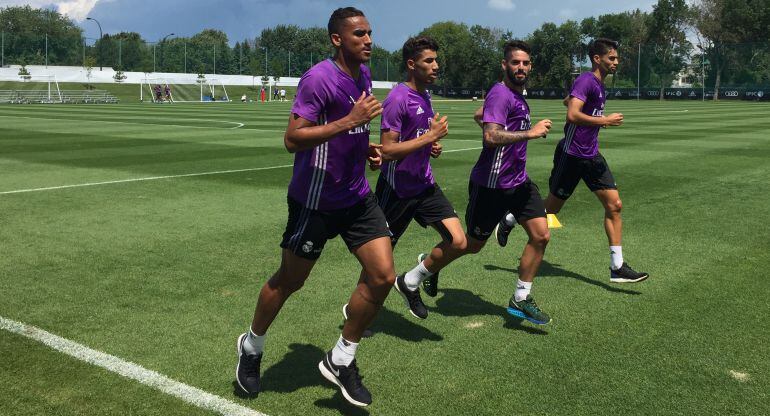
[[583, 141], [409, 113], [503, 167], [331, 175]]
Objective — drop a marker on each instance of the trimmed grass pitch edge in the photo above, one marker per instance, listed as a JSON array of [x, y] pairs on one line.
[[187, 393]]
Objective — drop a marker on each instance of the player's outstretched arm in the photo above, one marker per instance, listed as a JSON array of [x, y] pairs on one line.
[[392, 149], [495, 135], [302, 134], [575, 115]]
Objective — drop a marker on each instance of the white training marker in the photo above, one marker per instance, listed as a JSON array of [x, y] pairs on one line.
[[737, 375], [474, 325], [187, 393]]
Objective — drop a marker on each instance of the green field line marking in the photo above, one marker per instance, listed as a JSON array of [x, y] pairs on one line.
[[185, 392]]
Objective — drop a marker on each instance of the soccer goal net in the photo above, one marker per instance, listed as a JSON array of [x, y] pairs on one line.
[[163, 90], [33, 89]]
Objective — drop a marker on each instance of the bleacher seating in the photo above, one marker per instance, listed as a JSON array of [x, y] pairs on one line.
[[67, 96]]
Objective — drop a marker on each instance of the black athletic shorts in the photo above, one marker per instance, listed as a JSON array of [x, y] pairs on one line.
[[487, 206], [429, 207], [568, 170], [307, 230]]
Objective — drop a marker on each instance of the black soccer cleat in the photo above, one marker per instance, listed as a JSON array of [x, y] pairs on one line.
[[502, 231], [429, 285], [247, 370], [348, 379], [625, 274], [412, 298]]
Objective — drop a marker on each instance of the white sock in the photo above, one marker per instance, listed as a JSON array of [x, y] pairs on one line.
[[616, 257], [254, 344], [344, 352], [510, 220], [414, 277], [522, 290]]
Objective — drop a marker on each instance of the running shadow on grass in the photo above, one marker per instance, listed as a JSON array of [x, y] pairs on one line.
[[297, 369], [340, 404], [397, 325], [551, 269], [462, 303]]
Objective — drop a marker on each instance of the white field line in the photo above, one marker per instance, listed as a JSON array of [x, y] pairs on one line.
[[238, 125], [462, 150], [187, 393], [186, 175], [151, 178]]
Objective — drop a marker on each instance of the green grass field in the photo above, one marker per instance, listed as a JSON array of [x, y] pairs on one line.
[[164, 272]]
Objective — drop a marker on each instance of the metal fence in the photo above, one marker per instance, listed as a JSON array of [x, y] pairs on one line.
[[701, 67], [173, 55]]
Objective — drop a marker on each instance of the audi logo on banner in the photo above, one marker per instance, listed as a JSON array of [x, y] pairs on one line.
[[653, 93], [731, 93]]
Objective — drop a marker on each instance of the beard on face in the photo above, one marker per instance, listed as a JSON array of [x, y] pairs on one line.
[[514, 80]]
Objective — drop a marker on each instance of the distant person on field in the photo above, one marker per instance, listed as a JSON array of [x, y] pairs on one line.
[[283, 94]]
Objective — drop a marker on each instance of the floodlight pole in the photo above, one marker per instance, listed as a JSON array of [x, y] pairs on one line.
[[638, 69], [100, 33], [702, 72], [162, 41]]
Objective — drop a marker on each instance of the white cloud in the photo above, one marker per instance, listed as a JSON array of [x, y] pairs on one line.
[[77, 9], [501, 5], [74, 9], [31, 3]]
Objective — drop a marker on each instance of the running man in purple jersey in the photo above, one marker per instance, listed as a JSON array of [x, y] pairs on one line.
[[406, 189], [328, 195], [499, 182], [577, 154]]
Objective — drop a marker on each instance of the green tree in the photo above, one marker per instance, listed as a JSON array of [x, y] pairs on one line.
[[27, 31], [454, 40], [630, 30], [734, 36], [555, 52], [668, 40]]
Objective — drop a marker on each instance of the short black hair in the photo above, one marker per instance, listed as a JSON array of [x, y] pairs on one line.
[[413, 46], [516, 45], [601, 46], [335, 20]]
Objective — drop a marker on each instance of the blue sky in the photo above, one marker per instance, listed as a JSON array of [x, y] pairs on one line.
[[392, 21]]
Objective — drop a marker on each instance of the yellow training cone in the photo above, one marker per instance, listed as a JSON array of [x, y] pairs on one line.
[[553, 222]]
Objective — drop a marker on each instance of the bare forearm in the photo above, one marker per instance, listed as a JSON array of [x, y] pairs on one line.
[[581, 119], [400, 150], [305, 138]]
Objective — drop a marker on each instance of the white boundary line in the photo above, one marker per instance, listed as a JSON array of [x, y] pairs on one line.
[[186, 175], [75, 120], [151, 178], [187, 393]]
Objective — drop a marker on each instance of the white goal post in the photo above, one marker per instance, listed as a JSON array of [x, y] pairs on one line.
[[182, 90], [38, 89]]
